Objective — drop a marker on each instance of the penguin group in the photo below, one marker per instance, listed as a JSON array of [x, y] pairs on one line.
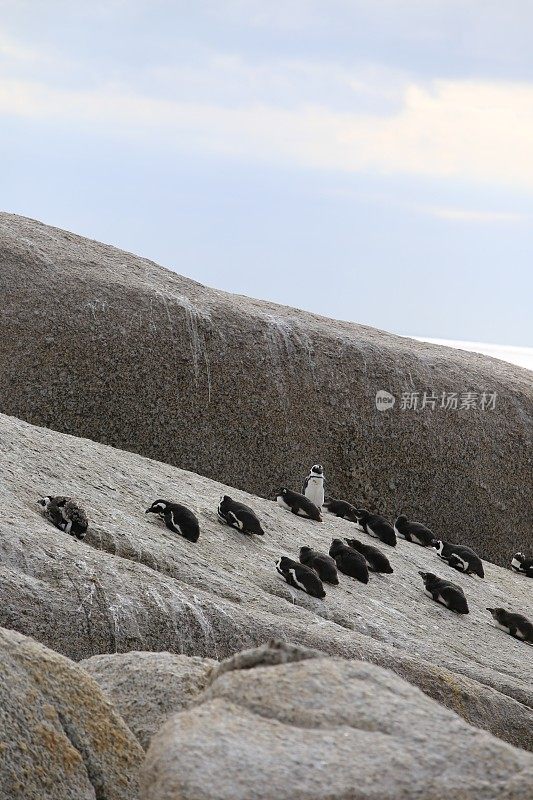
[[351, 557]]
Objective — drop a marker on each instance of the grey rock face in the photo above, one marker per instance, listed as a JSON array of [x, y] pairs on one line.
[[59, 737], [146, 687], [100, 343], [133, 585], [324, 728]]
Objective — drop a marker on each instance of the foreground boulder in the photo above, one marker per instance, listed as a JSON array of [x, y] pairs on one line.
[[100, 343], [134, 585], [326, 728], [146, 687], [59, 737]]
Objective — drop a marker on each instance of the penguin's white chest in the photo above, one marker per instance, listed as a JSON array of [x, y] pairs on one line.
[[314, 491]]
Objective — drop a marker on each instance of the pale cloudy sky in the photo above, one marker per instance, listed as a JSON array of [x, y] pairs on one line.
[[370, 160]]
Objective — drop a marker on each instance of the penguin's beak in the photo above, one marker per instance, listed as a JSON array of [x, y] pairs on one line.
[[147, 510]]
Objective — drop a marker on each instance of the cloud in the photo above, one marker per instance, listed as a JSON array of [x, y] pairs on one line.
[[467, 130]]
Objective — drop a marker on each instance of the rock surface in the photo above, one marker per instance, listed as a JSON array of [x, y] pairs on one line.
[[100, 343], [327, 728], [146, 687], [134, 585], [59, 737]]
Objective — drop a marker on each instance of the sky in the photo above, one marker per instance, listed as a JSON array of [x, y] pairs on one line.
[[368, 160]]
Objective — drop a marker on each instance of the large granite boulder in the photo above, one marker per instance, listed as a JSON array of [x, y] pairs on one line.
[[326, 728], [100, 343], [59, 736], [134, 585], [146, 687]]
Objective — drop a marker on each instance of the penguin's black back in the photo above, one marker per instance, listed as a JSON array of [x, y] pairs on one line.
[[188, 523], [466, 554], [349, 561], [448, 591], [301, 577], [376, 560], [323, 564], [244, 514], [341, 508], [299, 501], [380, 528]]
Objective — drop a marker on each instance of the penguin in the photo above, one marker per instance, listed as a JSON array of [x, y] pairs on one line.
[[178, 519], [314, 485], [239, 516], [300, 576], [413, 531], [461, 558], [349, 561], [376, 526], [376, 561], [519, 563], [298, 504], [515, 624], [341, 509], [445, 592], [322, 564], [65, 514]]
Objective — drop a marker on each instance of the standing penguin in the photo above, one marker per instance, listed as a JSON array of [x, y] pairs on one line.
[[461, 558], [341, 508], [445, 592], [414, 531], [300, 576], [520, 563], [238, 516], [349, 561], [375, 559], [314, 485], [299, 504], [178, 519], [515, 624], [376, 526], [65, 514], [322, 564]]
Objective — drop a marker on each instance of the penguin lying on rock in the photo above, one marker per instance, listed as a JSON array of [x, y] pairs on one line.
[[239, 516], [65, 514], [414, 531], [322, 564], [300, 576], [445, 592], [374, 525], [515, 624], [520, 563], [376, 561], [299, 504], [177, 518], [461, 558], [341, 509], [349, 561]]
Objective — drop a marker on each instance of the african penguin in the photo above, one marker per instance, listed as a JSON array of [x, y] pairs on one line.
[[520, 563], [238, 516], [515, 624], [376, 561], [322, 564], [461, 558], [445, 592], [349, 561], [300, 576], [413, 531], [376, 526], [178, 519], [314, 485], [341, 509], [298, 504], [65, 514]]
